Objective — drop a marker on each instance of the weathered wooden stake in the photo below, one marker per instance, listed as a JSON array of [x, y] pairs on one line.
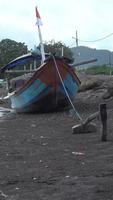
[[103, 117]]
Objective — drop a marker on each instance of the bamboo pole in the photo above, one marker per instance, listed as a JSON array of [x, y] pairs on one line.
[[103, 117]]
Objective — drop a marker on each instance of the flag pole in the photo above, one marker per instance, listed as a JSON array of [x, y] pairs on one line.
[[40, 35], [41, 44]]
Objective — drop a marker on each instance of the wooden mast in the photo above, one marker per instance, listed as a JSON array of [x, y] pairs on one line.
[[39, 23]]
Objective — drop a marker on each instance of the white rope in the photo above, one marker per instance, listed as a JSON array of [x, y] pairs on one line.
[[66, 90]]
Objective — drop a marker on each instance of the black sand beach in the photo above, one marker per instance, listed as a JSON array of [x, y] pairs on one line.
[[40, 158]]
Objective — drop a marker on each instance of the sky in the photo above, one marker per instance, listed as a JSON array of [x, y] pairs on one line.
[[93, 20]]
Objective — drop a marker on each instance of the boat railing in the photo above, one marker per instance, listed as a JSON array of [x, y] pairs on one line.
[[20, 71]]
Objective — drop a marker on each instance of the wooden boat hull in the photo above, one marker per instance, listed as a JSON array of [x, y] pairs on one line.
[[46, 91]]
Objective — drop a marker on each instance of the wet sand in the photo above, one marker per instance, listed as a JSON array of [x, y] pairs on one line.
[[41, 159]]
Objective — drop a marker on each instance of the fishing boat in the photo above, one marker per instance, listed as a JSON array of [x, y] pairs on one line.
[[50, 87]]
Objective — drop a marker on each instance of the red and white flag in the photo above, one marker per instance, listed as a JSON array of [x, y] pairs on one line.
[[39, 22]]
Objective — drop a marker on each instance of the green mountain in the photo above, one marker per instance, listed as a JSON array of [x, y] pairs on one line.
[[83, 53]]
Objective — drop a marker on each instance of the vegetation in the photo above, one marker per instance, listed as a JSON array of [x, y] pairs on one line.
[[99, 70], [56, 48], [10, 49]]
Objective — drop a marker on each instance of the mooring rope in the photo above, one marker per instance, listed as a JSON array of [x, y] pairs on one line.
[[78, 115]]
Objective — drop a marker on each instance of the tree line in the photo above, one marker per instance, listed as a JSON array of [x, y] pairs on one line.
[[10, 49]]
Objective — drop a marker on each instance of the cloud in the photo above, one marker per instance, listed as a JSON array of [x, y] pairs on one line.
[[61, 19]]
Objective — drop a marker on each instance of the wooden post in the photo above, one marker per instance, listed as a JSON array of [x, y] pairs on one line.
[[103, 116]]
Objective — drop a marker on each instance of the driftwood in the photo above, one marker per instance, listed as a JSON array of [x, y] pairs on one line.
[[86, 126], [91, 118]]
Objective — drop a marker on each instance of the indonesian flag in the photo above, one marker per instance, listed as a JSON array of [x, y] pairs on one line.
[[39, 22]]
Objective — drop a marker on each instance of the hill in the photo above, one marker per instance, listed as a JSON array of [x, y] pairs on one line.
[[82, 53]]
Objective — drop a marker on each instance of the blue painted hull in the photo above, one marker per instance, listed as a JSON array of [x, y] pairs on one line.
[[38, 96]]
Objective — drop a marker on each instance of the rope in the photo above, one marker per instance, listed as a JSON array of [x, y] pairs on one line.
[[66, 90]]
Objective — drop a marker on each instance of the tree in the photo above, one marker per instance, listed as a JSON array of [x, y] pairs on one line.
[[10, 49], [56, 48]]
